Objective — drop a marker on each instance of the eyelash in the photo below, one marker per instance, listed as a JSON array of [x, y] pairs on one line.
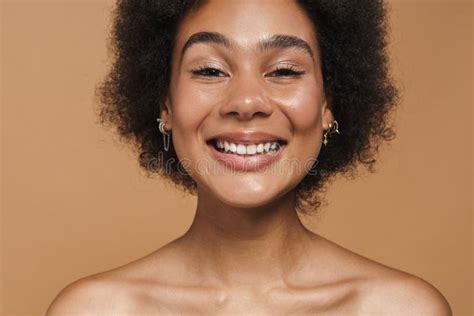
[[199, 71], [289, 70]]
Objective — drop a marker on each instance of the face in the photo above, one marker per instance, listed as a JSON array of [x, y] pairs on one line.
[[246, 76]]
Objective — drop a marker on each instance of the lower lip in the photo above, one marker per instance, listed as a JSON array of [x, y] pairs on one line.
[[246, 163]]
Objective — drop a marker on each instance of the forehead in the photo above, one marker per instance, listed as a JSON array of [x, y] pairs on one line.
[[247, 22]]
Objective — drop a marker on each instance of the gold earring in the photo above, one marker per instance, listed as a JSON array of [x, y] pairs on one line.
[[333, 128]]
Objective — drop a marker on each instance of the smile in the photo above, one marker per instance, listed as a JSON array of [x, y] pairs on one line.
[[247, 149], [246, 157]]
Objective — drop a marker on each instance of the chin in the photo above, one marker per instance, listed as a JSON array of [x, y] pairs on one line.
[[249, 200], [250, 193]]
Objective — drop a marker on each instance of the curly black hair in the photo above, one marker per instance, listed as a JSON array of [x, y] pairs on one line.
[[352, 37]]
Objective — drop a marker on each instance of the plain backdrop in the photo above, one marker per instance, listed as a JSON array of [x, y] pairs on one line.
[[74, 201]]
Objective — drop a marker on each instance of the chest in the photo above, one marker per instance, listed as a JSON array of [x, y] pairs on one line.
[[342, 301]]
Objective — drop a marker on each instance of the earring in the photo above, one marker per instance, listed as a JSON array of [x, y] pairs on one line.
[[166, 135], [333, 128]]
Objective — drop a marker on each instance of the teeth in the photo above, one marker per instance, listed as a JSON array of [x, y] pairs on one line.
[[241, 149], [251, 149]]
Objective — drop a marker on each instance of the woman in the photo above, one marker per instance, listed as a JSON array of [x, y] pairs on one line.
[[259, 104]]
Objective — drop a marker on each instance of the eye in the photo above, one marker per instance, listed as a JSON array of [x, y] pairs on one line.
[[287, 71], [207, 72]]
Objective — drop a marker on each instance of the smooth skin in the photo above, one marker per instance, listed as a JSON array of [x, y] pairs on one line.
[[247, 252]]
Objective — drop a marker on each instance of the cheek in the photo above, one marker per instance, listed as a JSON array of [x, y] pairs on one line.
[[306, 117], [190, 108], [303, 109], [304, 113]]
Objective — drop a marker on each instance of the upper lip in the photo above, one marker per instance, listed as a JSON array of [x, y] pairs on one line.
[[247, 137]]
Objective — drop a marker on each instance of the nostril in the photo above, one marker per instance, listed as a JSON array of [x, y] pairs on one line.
[[245, 108], [249, 115]]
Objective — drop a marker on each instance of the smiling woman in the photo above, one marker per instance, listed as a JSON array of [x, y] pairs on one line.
[[259, 104]]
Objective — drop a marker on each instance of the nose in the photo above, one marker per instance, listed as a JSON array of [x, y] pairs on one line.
[[246, 100]]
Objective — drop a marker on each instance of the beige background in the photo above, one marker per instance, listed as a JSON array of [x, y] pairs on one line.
[[75, 203]]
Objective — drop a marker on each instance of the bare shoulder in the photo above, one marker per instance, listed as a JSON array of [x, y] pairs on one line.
[[400, 293], [92, 295], [384, 290], [125, 290]]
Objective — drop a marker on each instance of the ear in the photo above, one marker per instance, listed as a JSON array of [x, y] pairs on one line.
[[327, 115], [166, 113]]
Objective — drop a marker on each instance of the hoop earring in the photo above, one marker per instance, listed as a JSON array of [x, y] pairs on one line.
[[333, 128], [166, 135]]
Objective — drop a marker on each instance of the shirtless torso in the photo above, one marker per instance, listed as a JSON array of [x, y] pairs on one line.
[[338, 283]]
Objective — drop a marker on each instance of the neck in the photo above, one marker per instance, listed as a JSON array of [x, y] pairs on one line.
[[238, 246]]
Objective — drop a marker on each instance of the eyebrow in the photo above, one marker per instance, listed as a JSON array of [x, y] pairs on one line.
[[273, 42]]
